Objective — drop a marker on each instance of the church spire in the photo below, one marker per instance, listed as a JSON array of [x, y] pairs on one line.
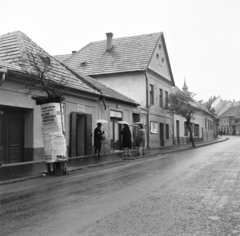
[[185, 87]]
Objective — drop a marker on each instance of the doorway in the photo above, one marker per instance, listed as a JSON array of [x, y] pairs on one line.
[[81, 134], [177, 132], [161, 134], [135, 118], [115, 133], [11, 135]]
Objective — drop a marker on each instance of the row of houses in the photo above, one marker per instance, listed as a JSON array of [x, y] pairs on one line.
[[228, 115], [126, 79]]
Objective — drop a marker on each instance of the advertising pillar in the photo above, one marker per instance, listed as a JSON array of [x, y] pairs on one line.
[[54, 141]]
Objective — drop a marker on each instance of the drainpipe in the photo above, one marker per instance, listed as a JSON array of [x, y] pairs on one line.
[[147, 105], [103, 101], [3, 71]]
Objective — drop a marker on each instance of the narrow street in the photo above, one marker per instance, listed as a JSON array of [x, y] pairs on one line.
[[194, 192]]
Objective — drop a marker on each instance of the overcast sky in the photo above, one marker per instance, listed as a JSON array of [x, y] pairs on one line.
[[202, 36]]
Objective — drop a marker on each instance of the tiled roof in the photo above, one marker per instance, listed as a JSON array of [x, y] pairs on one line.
[[201, 107], [63, 57], [222, 107], [233, 111], [128, 54], [106, 91], [9, 66], [14, 45]]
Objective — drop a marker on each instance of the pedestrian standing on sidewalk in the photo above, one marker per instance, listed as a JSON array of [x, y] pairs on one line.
[[126, 140], [98, 139], [140, 140]]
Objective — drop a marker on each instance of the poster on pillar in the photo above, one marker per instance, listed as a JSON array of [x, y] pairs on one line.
[[51, 118], [54, 147], [53, 138]]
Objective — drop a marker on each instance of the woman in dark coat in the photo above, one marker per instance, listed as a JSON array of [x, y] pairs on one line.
[[98, 139], [126, 140]]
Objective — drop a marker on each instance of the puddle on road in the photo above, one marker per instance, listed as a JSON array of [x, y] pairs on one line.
[[214, 217]]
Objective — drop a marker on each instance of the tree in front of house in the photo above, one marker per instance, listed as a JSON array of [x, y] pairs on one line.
[[182, 104], [44, 77], [40, 69]]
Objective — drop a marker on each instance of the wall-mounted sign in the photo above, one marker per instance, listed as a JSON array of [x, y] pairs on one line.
[[80, 107], [143, 111], [153, 127], [116, 114]]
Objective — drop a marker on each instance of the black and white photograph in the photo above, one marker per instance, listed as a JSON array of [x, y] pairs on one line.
[[120, 118]]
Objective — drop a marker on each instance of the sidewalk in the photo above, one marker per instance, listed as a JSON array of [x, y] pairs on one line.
[[25, 170]]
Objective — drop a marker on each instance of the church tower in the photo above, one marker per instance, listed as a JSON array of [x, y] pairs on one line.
[[185, 87]]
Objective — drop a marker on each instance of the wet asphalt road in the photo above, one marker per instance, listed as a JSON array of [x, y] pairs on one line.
[[194, 192]]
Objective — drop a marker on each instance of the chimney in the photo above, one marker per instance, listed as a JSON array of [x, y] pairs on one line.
[[74, 52], [109, 41]]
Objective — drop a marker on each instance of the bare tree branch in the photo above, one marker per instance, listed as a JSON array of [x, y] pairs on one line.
[[43, 77]]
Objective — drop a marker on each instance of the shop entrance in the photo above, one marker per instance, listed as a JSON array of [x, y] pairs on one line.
[[11, 135], [135, 118], [115, 129], [115, 133], [81, 131]]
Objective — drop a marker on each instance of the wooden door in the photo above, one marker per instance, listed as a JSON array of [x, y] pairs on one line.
[[177, 131], [11, 135], [81, 134], [161, 134], [15, 140]]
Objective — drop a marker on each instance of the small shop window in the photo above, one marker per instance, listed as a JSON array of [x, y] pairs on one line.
[[196, 130], [153, 127], [151, 94], [160, 98]]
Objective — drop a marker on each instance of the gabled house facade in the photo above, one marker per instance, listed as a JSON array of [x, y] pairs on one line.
[[216, 101], [20, 118], [229, 121], [138, 67], [202, 124]]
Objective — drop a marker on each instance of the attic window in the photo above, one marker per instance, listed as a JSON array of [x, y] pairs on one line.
[[157, 55], [160, 46], [46, 60], [83, 63]]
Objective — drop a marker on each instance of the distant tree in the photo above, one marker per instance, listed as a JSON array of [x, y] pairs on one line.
[[182, 103], [39, 67]]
